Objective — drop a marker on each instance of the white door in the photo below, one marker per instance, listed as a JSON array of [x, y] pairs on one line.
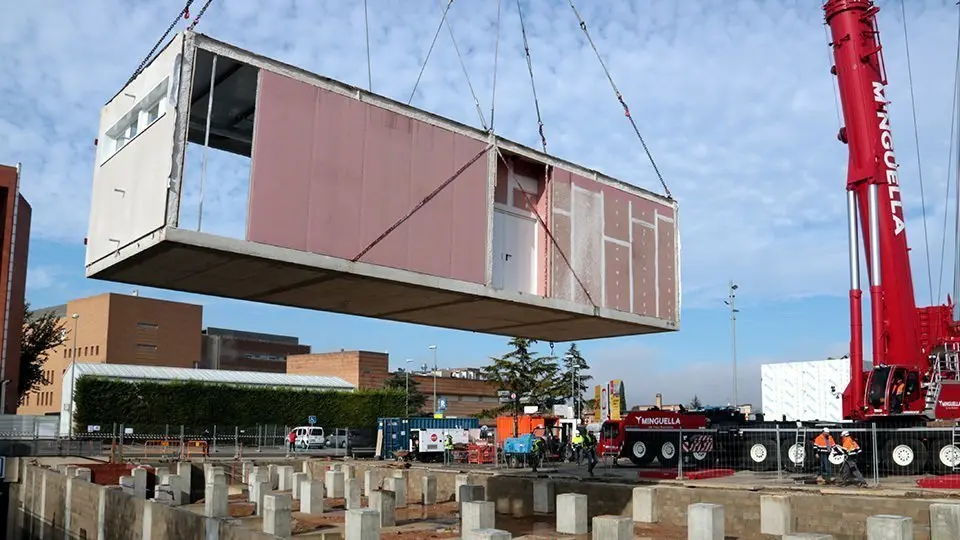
[[514, 252]]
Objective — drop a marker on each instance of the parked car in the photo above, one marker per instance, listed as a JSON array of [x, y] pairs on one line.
[[309, 437], [353, 438]]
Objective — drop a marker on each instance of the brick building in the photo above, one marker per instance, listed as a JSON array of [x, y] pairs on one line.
[[465, 395], [15, 214], [239, 350], [118, 329]]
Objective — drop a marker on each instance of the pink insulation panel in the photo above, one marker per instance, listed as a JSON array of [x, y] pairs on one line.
[[330, 174], [620, 248]]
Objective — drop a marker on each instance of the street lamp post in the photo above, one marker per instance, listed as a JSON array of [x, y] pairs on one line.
[[407, 371], [434, 349], [73, 372], [573, 383], [731, 301]]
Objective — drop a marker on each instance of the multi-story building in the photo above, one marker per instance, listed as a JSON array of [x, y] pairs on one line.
[[238, 350], [117, 329], [465, 393], [15, 214]]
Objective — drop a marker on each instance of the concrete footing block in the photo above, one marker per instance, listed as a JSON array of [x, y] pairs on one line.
[[298, 479], [285, 478], [488, 534], [139, 482], [385, 503], [572, 513], [462, 480], [260, 490], [645, 509], [612, 528], [544, 497], [362, 524], [705, 522], [808, 536], [371, 481], [84, 473], [333, 481], [470, 493], [476, 515], [887, 527], [399, 487], [776, 515], [352, 494], [311, 497], [428, 490], [277, 516], [215, 498], [944, 521]]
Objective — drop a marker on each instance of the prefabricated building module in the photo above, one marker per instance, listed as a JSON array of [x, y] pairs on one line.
[[351, 208]]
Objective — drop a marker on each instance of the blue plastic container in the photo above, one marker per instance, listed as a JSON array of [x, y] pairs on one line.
[[396, 431]]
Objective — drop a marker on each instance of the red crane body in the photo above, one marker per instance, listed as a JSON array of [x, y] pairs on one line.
[[906, 340]]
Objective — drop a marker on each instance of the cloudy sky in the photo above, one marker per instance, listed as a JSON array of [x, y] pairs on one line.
[[734, 98]]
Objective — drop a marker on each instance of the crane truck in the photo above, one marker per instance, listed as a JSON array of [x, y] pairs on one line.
[[910, 397]]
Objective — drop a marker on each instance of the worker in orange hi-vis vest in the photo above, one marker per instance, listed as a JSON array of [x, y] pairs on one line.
[[824, 443], [849, 472]]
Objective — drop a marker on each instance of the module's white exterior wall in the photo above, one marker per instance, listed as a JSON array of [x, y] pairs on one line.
[[804, 390], [130, 182]]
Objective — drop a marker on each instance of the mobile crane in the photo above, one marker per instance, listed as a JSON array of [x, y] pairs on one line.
[[910, 398]]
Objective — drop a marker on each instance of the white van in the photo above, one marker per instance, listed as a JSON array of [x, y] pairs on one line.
[[309, 437]]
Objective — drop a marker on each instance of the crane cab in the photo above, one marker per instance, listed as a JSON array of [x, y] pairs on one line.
[[893, 390]]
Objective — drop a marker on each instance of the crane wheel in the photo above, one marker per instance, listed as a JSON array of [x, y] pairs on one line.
[[945, 456], [904, 455], [760, 454], [640, 452]]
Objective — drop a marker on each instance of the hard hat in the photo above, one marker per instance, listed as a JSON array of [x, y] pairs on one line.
[[845, 433], [826, 430]]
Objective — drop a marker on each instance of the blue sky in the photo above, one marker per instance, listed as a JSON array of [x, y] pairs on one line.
[[733, 97]]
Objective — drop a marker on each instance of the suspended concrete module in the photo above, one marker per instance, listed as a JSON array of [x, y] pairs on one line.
[[361, 205]]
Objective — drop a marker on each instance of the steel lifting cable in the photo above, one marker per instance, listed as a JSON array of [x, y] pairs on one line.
[[200, 14], [463, 65], [366, 26], [421, 204], [626, 109], [916, 139], [549, 233], [184, 14], [496, 57], [429, 51], [950, 162]]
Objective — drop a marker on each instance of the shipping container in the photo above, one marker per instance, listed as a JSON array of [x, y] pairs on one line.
[[394, 433], [363, 205], [804, 390]]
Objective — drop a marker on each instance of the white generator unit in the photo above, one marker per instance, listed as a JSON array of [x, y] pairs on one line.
[[432, 440], [804, 390]]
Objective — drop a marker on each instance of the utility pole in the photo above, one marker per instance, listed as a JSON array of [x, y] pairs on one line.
[[434, 349], [573, 383], [73, 371], [731, 301], [407, 372]]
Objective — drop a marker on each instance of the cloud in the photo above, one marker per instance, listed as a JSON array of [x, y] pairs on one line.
[[42, 277], [734, 99]]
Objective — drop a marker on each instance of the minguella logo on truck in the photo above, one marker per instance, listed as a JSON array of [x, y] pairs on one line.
[[658, 421]]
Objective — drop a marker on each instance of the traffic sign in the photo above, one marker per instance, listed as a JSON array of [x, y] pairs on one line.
[[442, 404], [312, 420]]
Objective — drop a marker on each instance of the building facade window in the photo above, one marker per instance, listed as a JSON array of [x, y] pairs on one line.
[[144, 113], [148, 325], [146, 347]]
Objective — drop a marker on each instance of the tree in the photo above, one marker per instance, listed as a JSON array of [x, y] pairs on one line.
[[575, 377], [523, 373], [41, 333], [416, 400], [695, 403]]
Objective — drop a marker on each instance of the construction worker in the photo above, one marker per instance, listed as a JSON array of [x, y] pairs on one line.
[[896, 395], [448, 450], [849, 472], [824, 444], [537, 449], [576, 444], [590, 449]]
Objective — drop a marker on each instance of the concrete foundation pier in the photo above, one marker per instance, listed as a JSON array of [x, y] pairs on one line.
[[462, 480], [334, 484], [776, 515], [470, 493], [612, 528], [572, 513], [298, 479], [139, 482], [371, 481], [428, 490], [285, 478], [352, 494], [215, 497], [311, 497], [488, 534], [70, 471], [887, 527], [349, 471], [705, 522], [399, 487], [181, 483], [645, 508], [476, 515], [277, 516], [944, 521], [274, 477], [808, 536], [544, 497], [385, 503], [84, 473], [260, 489], [362, 524]]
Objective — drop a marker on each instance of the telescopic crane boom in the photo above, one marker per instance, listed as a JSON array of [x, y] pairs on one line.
[[915, 346]]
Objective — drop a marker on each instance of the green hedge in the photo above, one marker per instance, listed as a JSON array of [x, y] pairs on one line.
[[104, 401]]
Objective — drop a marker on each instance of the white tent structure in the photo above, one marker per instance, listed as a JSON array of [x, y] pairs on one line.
[[132, 373]]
